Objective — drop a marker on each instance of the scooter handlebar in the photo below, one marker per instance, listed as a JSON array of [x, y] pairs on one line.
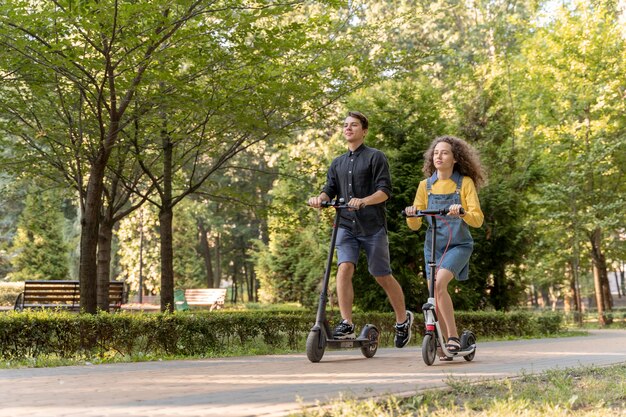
[[338, 204], [431, 212]]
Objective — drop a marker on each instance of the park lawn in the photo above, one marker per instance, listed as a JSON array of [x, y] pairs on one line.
[[576, 392]]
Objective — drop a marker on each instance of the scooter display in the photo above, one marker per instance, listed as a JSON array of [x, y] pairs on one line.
[[433, 337], [321, 334]]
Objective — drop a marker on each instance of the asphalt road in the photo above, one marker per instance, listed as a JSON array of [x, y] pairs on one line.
[[277, 385]]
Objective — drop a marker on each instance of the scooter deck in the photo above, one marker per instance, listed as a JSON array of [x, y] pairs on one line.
[[464, 352], [348, 343]]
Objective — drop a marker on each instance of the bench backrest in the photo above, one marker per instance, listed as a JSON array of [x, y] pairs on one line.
[[212, 297], [62, 294]]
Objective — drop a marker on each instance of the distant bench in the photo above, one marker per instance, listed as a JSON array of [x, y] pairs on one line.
[[62, 294], [206, 297]]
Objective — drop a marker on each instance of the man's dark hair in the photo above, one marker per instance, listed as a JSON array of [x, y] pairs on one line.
[[361, 117]]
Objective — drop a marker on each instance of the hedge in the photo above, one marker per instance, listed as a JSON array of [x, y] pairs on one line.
[[59, 334]]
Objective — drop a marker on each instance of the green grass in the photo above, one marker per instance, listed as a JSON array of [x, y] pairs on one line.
[[582, 392]]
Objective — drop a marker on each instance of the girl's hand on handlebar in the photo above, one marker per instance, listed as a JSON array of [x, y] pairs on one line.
[[410, 210], [455, 210]]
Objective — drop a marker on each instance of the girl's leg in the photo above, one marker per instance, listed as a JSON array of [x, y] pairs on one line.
[[444, 303]]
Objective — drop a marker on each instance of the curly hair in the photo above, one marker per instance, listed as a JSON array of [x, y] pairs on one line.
[[467, 159]]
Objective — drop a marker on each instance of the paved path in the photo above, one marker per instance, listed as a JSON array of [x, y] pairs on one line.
[[276, 385]]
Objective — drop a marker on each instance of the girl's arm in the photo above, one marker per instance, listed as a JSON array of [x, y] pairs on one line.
[[469, 198], [420, 203]]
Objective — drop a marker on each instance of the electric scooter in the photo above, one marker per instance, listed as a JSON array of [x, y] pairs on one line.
[[433, 338], [321, 334]]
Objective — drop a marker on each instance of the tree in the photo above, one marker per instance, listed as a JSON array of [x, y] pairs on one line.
[[97, 53], [11, 205], [573, 115], [40, 252], [456, 94], [250, 92], [290, 263]]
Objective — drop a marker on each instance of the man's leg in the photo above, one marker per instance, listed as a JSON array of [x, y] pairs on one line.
[[345, 291], [395, 295]]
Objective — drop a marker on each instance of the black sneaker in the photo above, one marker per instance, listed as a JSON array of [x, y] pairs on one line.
[[344, 331], [403, 331]]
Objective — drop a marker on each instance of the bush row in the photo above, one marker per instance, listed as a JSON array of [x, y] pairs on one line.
[[36, 334]]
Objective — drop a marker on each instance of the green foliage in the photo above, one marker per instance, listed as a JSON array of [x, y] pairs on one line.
[[189, 269], [9, 292], [40, 250], [138, 240], [290, 266], [243, 96], [11, 205], [571, 116]]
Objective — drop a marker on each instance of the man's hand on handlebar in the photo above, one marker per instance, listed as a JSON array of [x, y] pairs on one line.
[[316, 202], [356, 204]]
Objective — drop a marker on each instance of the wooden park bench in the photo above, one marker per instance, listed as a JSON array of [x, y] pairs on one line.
[[62, 294], [206, 297]]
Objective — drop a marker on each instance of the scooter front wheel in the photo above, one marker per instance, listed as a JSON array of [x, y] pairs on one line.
[[468, 339], [315, 345], [429, 349]]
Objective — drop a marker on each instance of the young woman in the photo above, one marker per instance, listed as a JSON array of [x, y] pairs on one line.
[[453, 174]]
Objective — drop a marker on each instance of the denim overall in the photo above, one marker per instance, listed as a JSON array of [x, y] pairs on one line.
[[461, 245]]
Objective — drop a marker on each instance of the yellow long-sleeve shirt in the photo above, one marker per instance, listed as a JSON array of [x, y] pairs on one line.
[[469, 200]]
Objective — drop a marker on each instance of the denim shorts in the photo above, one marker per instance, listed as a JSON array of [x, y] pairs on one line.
[[376, 249]]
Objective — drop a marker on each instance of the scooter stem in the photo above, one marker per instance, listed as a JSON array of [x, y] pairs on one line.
[[321, 309]]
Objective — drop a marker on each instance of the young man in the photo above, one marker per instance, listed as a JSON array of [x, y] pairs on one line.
[[361, 177]]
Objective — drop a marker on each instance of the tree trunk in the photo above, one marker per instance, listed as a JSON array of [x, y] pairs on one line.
[[205, 251], [599, 302], [88, 270], [166, 218], [623, 274], [167, 259], [600, 276], [251, 280], [575, 292], [534, 297], [498, 296], [105, 237], [619, 278], [236, 280], [218, 261]]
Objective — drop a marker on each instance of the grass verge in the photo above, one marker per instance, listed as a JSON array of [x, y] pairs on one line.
[[579, 392]]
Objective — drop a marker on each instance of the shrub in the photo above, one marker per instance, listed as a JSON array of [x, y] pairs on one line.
[[49, 333]]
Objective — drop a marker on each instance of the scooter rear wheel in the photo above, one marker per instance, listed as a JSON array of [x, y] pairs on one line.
[[315, 345], [429, 349], [372, 335]]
